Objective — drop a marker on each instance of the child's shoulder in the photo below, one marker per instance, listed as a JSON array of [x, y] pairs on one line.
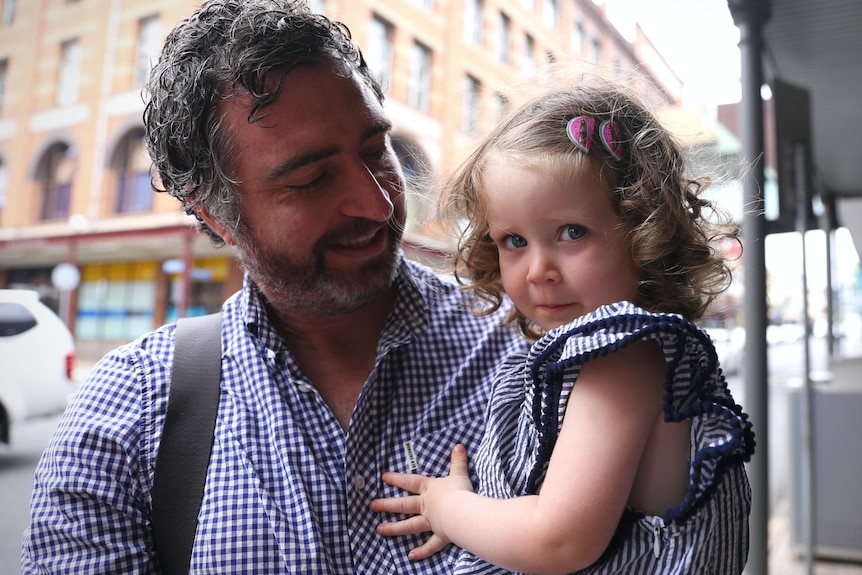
[[613, 326]]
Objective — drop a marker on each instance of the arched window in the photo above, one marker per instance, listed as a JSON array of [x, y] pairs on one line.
[[132, 167], [54, 176]]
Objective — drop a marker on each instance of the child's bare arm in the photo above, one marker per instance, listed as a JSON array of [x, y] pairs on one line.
[[609, 417]]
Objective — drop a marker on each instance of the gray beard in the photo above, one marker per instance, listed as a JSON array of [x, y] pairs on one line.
[[310, 287]]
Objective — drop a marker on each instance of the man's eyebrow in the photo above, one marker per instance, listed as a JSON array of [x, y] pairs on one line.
[[378, 127], [298, 162]]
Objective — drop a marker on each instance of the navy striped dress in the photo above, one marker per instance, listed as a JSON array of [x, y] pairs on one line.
[[708, 532]]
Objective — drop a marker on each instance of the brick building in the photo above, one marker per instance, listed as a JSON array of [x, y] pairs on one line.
[[74, 174]]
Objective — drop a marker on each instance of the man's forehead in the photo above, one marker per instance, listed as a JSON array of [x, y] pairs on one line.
[[294, 83]]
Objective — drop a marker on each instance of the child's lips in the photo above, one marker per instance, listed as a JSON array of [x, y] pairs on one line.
[[552, 306]]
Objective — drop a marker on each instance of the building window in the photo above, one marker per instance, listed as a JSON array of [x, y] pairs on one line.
[[70, 73], [578, 33], [529, 5], [317, 6], [379, 50], [54, 174], [428, 4], [470, 118], [596, 45], [419, 90], [617, 65], [4, 71], [147, 49], [528, 59], [473, 22], [504, 39], [8, 17], [549, 14], [132, 165]]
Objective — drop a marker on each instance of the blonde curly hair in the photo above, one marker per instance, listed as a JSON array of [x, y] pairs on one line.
[[675, 235]]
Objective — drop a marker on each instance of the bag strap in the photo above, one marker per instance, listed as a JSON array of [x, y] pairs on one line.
[[187, 438]]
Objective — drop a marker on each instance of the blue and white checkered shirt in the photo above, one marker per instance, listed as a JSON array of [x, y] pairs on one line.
[[287, 490]]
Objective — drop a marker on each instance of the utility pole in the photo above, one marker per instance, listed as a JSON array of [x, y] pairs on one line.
[[750, 16]]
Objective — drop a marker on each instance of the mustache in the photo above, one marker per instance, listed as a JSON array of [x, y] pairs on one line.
[[360, 228]]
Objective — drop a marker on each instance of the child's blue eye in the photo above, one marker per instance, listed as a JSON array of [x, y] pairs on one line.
[[573, 232], [515, 241]]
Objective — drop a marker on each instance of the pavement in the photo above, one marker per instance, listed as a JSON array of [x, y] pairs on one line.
[[785, 560]]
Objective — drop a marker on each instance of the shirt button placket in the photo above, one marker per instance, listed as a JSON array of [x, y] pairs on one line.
[[359, 482]]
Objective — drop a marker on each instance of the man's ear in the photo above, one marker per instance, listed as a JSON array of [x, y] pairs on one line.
[[215, 226]]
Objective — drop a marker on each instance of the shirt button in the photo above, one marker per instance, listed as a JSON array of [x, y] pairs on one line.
[[359, 482], [306, 387]]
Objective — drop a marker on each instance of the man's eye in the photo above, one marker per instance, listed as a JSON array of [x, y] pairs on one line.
[[573, 232], [514, 242], [308, 185], [376, 156]]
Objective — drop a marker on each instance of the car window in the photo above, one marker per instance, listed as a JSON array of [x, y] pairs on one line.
[[15, 319]]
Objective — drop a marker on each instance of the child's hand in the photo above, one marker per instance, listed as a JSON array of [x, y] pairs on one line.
[[427, 508]]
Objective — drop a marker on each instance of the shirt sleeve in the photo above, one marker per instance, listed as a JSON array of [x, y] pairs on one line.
[[90, 506]]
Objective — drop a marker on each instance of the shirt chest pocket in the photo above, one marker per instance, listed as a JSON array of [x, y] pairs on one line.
[[430, 454]]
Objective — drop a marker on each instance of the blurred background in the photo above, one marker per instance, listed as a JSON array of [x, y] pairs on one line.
[[80, 224]]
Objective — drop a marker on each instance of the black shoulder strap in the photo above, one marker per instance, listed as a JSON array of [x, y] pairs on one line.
[[187, 437]]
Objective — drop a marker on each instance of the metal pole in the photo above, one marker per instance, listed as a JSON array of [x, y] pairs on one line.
[[828, 226], [803, 202], [750, 16]]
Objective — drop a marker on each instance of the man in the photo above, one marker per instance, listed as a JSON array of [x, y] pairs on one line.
[[340, 359]]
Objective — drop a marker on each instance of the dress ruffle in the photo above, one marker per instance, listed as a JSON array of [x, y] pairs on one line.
[[695, 389]]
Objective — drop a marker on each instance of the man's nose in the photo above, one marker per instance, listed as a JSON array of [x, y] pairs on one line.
[[367, 196]]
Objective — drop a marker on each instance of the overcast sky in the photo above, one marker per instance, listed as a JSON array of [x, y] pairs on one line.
[[696, 37]]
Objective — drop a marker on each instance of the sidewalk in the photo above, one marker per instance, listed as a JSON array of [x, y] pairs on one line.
[[783, 561]]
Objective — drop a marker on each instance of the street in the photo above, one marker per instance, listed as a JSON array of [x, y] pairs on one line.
[[17, 464]]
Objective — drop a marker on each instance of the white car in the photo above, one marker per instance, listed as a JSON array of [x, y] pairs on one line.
[[37, 355]]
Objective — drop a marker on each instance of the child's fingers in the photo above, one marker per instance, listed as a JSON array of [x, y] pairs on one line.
[[409, 526], [458, 462], [406, 481], [410, 505], [427, 549]]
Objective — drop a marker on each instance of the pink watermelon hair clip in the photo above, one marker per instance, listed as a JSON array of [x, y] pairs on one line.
[[580, 131]]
